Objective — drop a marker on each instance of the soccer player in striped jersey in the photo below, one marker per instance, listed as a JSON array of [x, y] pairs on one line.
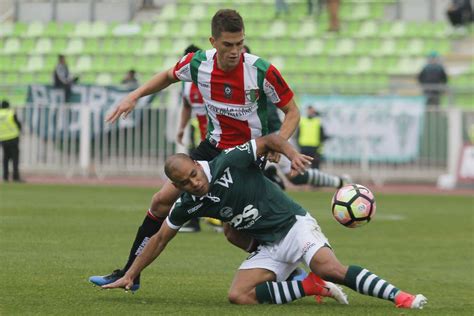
[[235, 88], [232, 189]]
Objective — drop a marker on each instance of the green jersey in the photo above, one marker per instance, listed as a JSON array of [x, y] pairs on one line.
[[241, 195]]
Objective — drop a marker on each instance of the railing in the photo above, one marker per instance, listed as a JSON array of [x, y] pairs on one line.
[[54, 141]]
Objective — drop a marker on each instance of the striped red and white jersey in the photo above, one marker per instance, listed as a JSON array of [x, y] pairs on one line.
[[193, 97], [236, 101]]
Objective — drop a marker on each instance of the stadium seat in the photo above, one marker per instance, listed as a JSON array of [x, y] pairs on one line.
[[127, 29], [104, 79], [12, 46], [43, 46], [75, 46], [276, 30], [83, 64], [6, 29], [35, 63], [168, 12], [35, 29], [150, 47], [159, 29]]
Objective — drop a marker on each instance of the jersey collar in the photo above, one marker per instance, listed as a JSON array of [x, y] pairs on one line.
[[207, 170]]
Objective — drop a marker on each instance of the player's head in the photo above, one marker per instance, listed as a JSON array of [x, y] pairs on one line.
[[5, 104], [61, 59], [191, 49], [246, 49], [227, 37], [186, 174]]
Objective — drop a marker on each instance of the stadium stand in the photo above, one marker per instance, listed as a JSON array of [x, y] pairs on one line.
[[370, 54]]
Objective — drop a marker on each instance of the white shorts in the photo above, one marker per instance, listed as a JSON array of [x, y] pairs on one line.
[[300, 244]]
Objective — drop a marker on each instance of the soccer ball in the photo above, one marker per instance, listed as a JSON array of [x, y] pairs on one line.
[[353, 205]]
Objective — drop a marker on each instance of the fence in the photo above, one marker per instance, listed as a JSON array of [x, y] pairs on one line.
[[54, 142]]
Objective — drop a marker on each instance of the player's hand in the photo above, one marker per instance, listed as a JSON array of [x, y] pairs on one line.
[[299, 163], [123, 109], [273, 156], [179, 136], [124, 283]]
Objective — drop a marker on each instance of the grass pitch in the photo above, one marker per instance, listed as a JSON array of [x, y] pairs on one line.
[[52, 238]]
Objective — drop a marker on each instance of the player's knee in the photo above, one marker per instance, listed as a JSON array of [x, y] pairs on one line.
[[234, 297]]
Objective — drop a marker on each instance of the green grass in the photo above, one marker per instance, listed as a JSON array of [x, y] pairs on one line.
[[52, 238]]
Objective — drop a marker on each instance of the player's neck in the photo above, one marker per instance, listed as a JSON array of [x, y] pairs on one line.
[[223, 67]]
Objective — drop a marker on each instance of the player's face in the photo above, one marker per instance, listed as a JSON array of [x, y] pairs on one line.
[[229, 47], [192, 179]]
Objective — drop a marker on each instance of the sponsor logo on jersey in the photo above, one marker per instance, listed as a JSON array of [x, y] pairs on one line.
[[273, 95], [232, 110], [203, 84], [227, 91], [215, 199], [183, 71], [226, 212], [248, 218], [252, 95], [226, 179], [195, 208]]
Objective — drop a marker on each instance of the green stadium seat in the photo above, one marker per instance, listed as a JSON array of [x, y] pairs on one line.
[[104, 79], [387, 47], [307, 29], [43, 46], [35, 29], [367, 29], [189, 29], [6, 29], [158, 30], [277, 29], [59, 45], [44, 77], [75, 46], [168, 12], [83, 64], [34, 64], [19, 29], [150, 47], [98, 29], [314, 47], [12, 46], [27, 45], [126, 29], [344, 46], [91, 46], [198, 12]]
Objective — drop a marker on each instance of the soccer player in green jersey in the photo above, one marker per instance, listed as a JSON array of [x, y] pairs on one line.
[[233, 189]]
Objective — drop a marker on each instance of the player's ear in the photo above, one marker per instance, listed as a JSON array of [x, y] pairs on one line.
[[212, 40]]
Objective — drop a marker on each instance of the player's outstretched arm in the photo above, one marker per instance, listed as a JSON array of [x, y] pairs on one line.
[[152, 250], [276, 143], [291, 121], [157, 83]]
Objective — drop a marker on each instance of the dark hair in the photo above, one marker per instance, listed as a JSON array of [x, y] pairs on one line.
[[226, 20], [132, 71], [247, 49], [191, 49], [5, 104]]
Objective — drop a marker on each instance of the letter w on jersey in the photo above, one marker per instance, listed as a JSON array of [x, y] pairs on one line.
[[226, 179]]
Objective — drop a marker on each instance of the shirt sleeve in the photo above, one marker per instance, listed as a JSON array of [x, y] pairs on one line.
[[276, 88], [182, 69], [240, 156], [178, 215]]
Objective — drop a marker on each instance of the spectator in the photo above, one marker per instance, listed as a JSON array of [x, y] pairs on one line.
[[333, 10], [281, 7], [62, 77], [130, 81], [311, 136], [433, 79], [460, 13], [10, 129]]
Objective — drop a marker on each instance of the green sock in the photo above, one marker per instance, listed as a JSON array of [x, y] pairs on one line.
[[365, 282], [279, 292]]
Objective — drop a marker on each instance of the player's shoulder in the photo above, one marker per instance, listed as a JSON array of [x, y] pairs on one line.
[[256, 61]]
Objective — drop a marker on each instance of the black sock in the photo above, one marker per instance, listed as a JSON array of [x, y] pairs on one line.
[[151, 224]]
